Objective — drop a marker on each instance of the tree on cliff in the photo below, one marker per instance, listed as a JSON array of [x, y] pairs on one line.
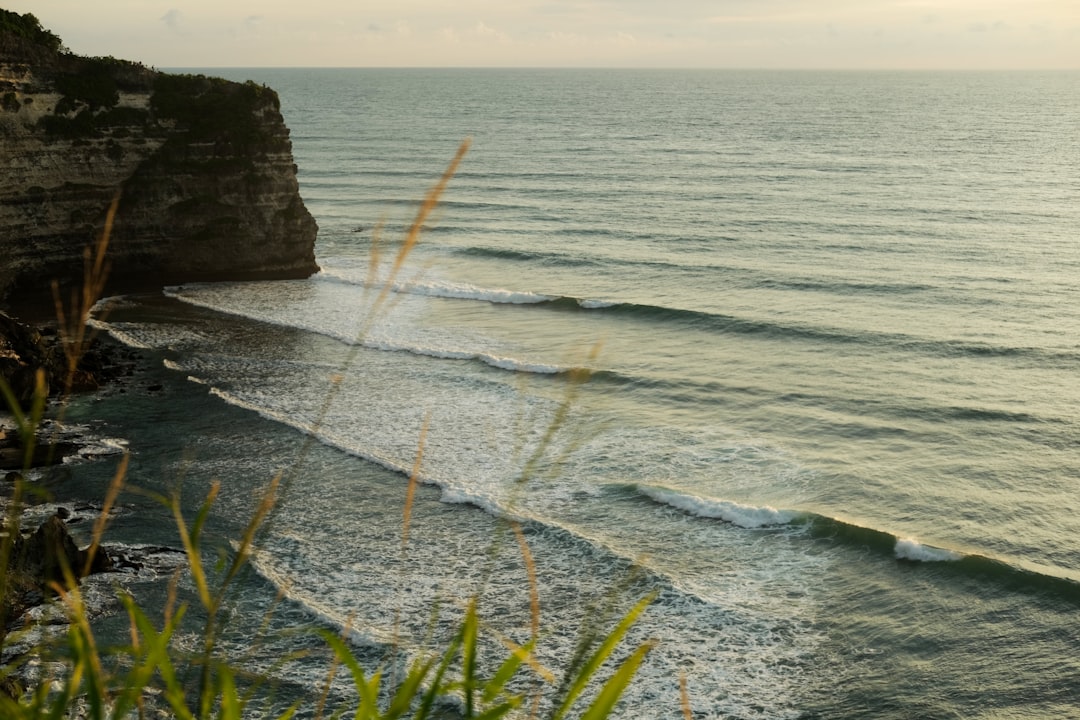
[[29, 27]]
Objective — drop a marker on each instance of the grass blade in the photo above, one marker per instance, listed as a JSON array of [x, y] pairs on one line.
[[604, 703], [585, 673]]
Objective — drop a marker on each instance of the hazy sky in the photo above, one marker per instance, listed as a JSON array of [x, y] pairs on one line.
[[603, 33]]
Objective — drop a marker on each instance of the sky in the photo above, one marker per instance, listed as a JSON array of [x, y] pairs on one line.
[[796, 34]]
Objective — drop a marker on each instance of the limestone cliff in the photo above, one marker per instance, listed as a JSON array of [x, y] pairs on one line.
[[203, 168]]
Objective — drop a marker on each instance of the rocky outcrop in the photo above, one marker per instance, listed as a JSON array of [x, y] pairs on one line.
[[25, 350], [43, 556], [37, 563], [202, 167]]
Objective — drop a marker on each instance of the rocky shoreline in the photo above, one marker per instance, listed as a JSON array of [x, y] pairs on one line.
[[40, 545], [174, 178], [183, 178]]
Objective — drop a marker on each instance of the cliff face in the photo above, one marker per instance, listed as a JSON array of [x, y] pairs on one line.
[[203, 168]]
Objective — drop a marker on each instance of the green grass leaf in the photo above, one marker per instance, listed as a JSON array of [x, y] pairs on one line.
[[586, 672], [613, 689]]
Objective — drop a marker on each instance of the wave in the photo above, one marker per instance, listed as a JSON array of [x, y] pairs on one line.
[[545, 258], [376, 343], [501, 362], [296, 423], [844, 287], [117, 334], [1013, 576], [746, 516], [458, 291], [464, 291], [911, 549], [720, 323], [725, 324], [700, 320], [133, 336], [495, 361], [741, 276]]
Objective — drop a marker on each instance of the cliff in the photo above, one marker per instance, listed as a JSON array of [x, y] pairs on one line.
[[203, 168]]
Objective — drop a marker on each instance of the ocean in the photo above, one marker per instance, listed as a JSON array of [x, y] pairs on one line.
[[831, 327]]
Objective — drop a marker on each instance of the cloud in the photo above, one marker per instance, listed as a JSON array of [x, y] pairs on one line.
[[484, 30], [172, 19], [251, 22]]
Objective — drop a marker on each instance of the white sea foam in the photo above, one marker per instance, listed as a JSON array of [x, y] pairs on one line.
[[398, 337], [176, 367], [442, 289], [312, 604], [103, 447], [229, 299], [745, 646], [149, 336], [506, 363], [747, 516], [743, 617], [910, 549], [490, 505], [503, 363], [111, 302], [597, 304], [435, 352], [323, 436], [471, 292], [117, 334]]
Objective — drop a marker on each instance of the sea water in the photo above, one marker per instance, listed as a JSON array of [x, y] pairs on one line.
[[830, 327]]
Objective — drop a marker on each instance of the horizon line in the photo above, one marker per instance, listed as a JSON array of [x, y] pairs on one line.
[[624, 67]]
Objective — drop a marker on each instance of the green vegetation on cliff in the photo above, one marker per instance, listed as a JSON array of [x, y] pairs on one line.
[[27, 26], [215, 109]]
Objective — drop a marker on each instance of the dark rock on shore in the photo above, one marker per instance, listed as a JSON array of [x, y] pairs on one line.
[[203, 169], [39, 560], [25, 349], [43, 555], [13, 456]]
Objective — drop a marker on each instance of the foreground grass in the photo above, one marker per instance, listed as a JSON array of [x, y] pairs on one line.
[[149, 676]]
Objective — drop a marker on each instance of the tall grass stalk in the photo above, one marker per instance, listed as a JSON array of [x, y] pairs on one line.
[[73, 322]]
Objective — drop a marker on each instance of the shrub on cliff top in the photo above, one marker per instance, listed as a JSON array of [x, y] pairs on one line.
[[94, 85], [29, 27], [213, 108]]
